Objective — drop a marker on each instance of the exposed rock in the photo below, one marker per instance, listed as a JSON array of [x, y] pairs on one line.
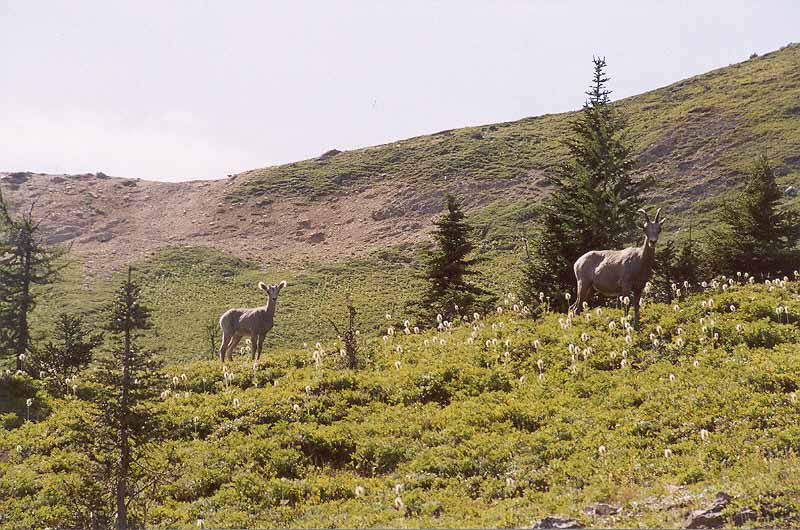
[[316, 237], [743, 516], [343, 178], [328, 154], [19, 177], [602, 509], [104, 237], [710, 517], [790, 191], [387, 213], [557, 522], [792, 161], [64, 233]]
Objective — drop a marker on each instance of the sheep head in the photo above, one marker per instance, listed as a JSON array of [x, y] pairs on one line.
[[652, 228], [272, 290]]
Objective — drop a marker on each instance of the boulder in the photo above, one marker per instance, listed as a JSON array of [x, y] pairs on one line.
[[63, 233], [557, 522], [328, 154], [743, 516], [710, 517], [316, 237], [601, 509], [18, 177]]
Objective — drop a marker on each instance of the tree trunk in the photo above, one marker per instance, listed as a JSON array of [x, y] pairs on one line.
[[124, 448], [22, 319]]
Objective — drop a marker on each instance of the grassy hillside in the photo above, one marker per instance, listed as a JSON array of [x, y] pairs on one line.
[[696, 135], [496, 422], [189, 288]]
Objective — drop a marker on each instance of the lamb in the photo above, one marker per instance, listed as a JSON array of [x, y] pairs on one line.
[[255, 322], [619, 272]]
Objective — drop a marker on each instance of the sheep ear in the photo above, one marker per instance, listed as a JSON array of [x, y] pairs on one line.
[[661, 222], [263, 287], [282, 284]]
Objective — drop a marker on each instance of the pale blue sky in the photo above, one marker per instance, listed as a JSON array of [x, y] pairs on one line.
[[174, 90]]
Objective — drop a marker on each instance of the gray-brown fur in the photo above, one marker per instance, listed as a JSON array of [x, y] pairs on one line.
[[253, 322], [619, 272]]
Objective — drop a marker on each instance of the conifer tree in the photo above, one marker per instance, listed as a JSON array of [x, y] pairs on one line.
[[449, 267], [664, 272], [594, 200], [687, 263], [125, 421], [67, 353], [756, 236], [25, 261]]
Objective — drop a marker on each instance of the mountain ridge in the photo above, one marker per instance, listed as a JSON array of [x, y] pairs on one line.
[[693, 138]]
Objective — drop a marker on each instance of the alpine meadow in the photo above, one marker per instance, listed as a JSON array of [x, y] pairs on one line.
[[588, 319]]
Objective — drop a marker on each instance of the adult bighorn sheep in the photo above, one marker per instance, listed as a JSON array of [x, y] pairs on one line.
[[254, 322], [619, 272]]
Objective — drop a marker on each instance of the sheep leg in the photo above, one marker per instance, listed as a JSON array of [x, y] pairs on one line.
[[253, 346], [226, 338], [233, 344], [584, 293], [260, 346], [636, 297], [256, 341]]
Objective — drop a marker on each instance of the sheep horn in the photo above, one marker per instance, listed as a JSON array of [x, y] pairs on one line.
[[658, 215], [646, 217]]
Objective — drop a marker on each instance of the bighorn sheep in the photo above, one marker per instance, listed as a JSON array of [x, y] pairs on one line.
[[619, 272], [255, 322]]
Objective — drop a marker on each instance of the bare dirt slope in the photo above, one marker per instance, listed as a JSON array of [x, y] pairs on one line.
[[110, 221]]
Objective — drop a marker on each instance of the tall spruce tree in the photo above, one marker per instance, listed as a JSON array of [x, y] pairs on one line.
[[25, 261], [449, 267], [594, 200], [756, 236], [125, 422]]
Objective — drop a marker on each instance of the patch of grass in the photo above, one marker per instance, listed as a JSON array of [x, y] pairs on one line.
[[465, 431]]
